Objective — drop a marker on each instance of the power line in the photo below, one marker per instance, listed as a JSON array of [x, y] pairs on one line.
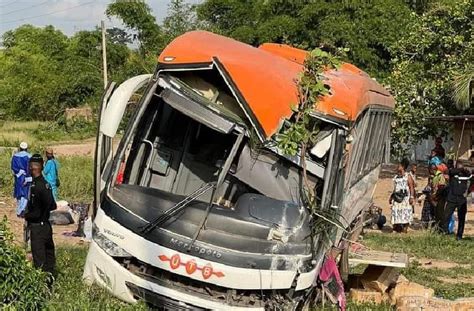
[[46, 14], [7, 4], [22, 9]]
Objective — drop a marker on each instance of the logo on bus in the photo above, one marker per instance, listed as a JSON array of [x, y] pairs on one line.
[[191, 266]]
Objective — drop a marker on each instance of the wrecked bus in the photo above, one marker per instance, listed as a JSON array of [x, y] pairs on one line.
[[198, 208]]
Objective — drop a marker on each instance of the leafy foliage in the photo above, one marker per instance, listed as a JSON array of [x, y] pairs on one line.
[[301, 132], [428, 58], [311, 87], [366, 28], [181, 18], [22, 287], [138, 17], [42, 71], [464, 88]]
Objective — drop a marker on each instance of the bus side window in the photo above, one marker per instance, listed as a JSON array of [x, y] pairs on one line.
[[371, 132]]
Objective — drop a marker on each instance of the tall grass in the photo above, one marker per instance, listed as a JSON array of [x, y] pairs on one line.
[[70, 293], [44, 133], [75, 174]]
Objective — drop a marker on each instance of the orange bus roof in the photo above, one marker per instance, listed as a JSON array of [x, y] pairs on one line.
[[265, 78]]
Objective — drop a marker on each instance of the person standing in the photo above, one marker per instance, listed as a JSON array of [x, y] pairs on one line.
[[438, 150], [427, 212], [40, 203], [50, 172], [438, 196], [402, 198], [456, 198], [19, 167]]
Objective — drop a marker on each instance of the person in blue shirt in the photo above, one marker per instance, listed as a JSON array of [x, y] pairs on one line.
[[19, 167], [50, 172]]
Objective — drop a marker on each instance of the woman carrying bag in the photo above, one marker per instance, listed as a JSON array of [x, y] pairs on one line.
[[402, 198]]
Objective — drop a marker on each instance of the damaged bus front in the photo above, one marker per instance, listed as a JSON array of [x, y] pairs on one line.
[[198, 209]]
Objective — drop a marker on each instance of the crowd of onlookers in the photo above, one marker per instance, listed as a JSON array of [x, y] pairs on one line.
[[448, 184]]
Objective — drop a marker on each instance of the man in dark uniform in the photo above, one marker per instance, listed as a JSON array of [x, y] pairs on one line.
[[40, 203], [458, 183]]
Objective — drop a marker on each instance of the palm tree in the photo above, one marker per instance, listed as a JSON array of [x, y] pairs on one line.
[[463, 86]]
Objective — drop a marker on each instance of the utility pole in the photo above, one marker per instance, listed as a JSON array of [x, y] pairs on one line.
[[104, 54]]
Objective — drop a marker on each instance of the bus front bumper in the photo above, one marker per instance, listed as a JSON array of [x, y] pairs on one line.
[[102, 269]]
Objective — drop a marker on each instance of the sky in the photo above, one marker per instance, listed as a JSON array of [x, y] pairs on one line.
[[67, 15]]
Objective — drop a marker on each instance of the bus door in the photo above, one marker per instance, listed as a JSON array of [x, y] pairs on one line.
[[112, 108]]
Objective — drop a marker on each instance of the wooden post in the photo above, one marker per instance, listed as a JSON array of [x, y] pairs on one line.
[[104, 54]]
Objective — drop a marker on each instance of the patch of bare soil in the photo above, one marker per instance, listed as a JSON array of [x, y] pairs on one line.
[[7, 208], [459, 279], [86, 148], [439, 264]]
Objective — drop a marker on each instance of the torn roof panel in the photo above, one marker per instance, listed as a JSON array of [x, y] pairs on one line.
[[266, 78]]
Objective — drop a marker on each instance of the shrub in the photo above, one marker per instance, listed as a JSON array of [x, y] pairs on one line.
[[22, 287], [61, 130]]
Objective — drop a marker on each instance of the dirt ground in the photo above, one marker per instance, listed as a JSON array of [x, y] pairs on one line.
[[7, 208], [385, 188], [83, 149]]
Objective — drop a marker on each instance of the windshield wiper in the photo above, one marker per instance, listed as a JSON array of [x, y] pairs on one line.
[[177, 207], [220, 180]]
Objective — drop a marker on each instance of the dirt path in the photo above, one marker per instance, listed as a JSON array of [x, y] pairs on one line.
[[86, 148], [7, 208], [385, 188]]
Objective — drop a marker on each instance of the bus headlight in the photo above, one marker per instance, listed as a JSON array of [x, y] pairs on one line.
[[107, 245]]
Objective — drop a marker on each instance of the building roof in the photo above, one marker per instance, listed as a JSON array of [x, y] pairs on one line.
[[265, 79], [453, 118]]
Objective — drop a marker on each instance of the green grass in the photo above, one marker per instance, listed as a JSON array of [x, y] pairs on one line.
[[41, 134], [424, 245], [431, 278], [75, 174], [70, 293]]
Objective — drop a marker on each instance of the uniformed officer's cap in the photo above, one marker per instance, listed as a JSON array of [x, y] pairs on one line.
[[37, 158]]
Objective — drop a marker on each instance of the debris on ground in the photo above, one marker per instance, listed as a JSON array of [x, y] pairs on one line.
[[406, 288], [414, 303], [384, 285], [61, 218], [379, 278], [367, 296]]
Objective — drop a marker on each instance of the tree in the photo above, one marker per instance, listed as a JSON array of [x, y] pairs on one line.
[[464, 88], [427, 60], [181, 18], [137, 16], [118, 36], [366, 28], [42, 71]]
